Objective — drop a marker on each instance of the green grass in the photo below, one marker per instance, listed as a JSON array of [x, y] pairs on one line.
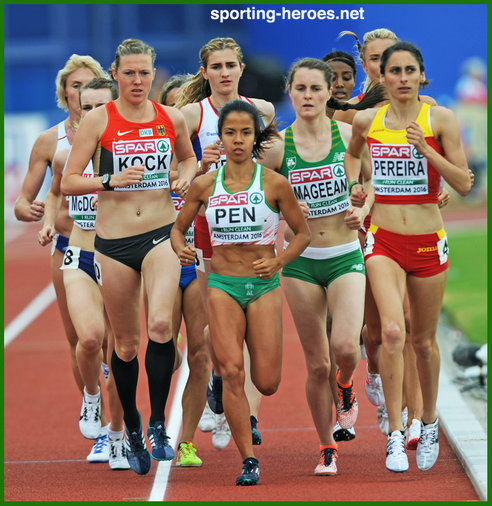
[[465, 299]]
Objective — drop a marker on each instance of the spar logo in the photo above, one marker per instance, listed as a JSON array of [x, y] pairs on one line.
[[256, 198], [178, 203], [236, 199], [140, 147], [312, 175], [338, 170], [391, 151]]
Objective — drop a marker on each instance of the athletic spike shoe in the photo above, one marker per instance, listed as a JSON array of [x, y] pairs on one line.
[[100, 449], [347, 408], [428, 446], [90, 416], [412, 435], [340, 434], [161, 449], [374, 389], [136, 451], [327, 465], [250, 474], [256, 436], [187, 456], [396, 458], [214, 394], [207, 421], [117, 455], [221, 434]]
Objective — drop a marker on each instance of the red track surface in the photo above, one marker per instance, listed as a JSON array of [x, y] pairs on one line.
[[45, 453]]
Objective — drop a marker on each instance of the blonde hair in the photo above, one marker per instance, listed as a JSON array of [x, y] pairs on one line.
[[199, 88], [377, 34], [74, 63], [132, 46]]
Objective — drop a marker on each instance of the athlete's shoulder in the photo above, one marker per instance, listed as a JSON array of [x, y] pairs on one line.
[[266, 108]]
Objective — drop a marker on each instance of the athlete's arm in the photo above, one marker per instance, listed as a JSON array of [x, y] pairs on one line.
[[452, 166], [53, 198], [194, 200], [183, 150], [84, 146], [27, 207]]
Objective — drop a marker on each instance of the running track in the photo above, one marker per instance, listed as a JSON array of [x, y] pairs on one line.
[[44, 452]]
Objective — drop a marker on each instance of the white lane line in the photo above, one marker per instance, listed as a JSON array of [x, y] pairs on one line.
[[29, 314], [173, 428]]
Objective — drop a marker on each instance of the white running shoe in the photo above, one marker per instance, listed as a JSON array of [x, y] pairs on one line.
[[374, 389], [412, 435], [90, 416], [404, 417], [117, 455], [383, 421], [100, 449], [207, 421], [221, 433], [428, 445], [396, 458]]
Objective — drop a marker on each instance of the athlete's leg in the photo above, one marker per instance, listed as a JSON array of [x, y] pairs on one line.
[[61, 299], [308, 305], [388, 286], [227, 323]]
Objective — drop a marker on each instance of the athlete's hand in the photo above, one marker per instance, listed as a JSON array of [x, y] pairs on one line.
[[180, 187], [46, 234], [128, 177], [36, 210], [211, 154], [472, 176], [94, 202], [357, 195], [265, 268], [415, 136], [354, 218], [187, 255], [443, 198]]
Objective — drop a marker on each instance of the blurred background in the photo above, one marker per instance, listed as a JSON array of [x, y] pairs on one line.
[[40, 38]]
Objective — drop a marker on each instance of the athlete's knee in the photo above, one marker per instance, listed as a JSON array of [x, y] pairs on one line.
[[232, 375], [346, 351], [320, 370], [424, 346], [393, 337], [90, 342], [159, 328], [268, 386], [127, 351], [198, 359]]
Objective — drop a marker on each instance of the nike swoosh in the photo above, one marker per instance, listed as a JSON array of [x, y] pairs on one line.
[[124, 133], [157, 241]]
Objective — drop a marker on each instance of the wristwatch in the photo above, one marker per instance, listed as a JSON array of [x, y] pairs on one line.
[[105, 181]]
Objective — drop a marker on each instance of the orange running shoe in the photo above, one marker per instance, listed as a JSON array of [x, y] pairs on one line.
[[327, 465], [347, 407]]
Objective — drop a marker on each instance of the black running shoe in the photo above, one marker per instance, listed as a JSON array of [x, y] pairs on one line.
[[214, 394], [250, 474], [136, 451]]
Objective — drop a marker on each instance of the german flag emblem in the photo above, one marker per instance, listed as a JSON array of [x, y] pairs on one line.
[[161, 130]]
